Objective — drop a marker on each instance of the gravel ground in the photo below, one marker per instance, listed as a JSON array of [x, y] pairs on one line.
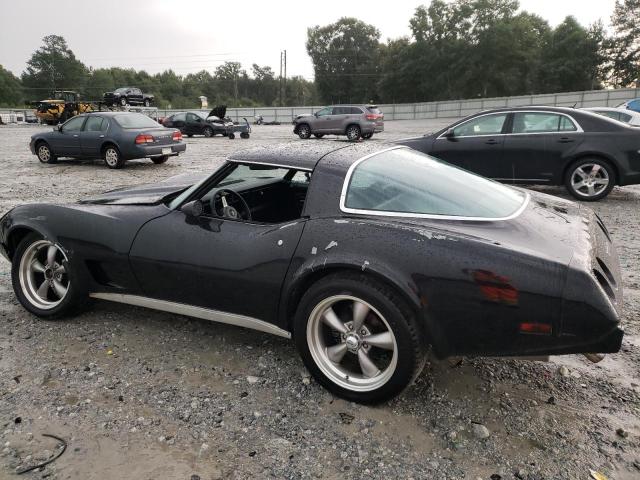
[[145, 395]]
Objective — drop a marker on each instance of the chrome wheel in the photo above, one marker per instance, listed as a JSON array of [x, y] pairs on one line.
[[353, 132], [111, 157], [590, 180], [304, 131], [44, 154], [352, 343], [43, 276]]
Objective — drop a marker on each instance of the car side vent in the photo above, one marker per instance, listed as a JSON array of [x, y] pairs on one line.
[[604, 284], [603, 228], [607, 272]]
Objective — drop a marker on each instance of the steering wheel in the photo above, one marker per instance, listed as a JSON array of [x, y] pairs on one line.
[[221, 208]]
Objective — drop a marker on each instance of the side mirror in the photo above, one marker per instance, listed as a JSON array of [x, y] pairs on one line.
[[60, 127], [449, 133], [194, 208]]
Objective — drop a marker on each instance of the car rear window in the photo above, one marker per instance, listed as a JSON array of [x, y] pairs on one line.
[[404, 182], [374, 109], [135, 120]]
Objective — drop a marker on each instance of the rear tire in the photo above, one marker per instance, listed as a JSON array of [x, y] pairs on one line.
[[112, 157], [334, 323], [353, 133], [304, 131], [43, 279], [318, 135], [147, 103], [160, 160], [367, 136], [45, 154], [590, 179], [232, 136]]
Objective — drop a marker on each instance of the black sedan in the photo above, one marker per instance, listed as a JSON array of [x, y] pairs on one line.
[[586, 152], [114, 136], [364, 254], [194, 123]]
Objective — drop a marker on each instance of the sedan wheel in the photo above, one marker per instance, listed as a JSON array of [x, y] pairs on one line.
[[112, 158], [357, 338], [45, 155], [590, 180], [43, 276], [208, 132]]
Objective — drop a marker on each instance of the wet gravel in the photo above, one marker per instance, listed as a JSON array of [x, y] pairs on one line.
[[144, 395]]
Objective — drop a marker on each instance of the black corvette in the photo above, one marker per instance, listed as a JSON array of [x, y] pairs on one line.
[[586, 152], [365, 254]]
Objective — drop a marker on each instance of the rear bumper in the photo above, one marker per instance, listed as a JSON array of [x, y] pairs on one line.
[[143, 151]]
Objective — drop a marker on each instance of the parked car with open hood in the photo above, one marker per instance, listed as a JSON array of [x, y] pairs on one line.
[[208, 124], [365, 254], [114, 136], [586, 152], [354, 121]]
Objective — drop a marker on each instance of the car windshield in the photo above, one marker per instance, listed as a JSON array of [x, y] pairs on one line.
[[405, 182], [203, 115], [120, 90], [135, 120]]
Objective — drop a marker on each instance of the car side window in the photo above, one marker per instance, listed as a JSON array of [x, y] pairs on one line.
[[192, 117], [484, 125], [625, 118], [179, 117], [136, 91], [73, 125], [541, 122], [341, 110], [355, 111], [324, 112], [566, 125], [94, 124]]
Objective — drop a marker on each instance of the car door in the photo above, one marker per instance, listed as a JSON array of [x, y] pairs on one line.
[[226, 265], [337, 122], [92, 135], [537, 144], [179, 120], [322, 120], [135, 96], [66, 141], [476, 145], [193, 124]]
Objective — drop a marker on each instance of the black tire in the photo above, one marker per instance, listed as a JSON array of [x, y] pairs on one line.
[[147, 103], [72, 301], [318, 135], [208, 132], [244, 135], [585, 179], [45, 154], [231, 136], [353, 132], [304, 131], [160, 160], [409, 345], [367, 136], [123, 102], [190, 135], [112, 157]]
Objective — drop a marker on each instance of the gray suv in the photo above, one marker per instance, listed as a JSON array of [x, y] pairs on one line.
[[354, 121]]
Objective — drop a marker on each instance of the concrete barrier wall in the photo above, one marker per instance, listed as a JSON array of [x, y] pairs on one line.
[[445, 109]]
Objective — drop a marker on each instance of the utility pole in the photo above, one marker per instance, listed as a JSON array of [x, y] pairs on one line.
[[280, 81], [285, 76], [282, 86]]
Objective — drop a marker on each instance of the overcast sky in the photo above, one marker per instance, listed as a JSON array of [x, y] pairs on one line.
[[191, 35]]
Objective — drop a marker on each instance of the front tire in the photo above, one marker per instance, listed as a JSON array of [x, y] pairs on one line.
[[113, 158], [147, 103], [208, 132], [358, 338], [304, 131], [45, 154], [123, 102], [590, 179], [353, 133], [43, 279]]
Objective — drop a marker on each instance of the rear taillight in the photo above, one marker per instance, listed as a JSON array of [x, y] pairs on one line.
[[140, 139], [374, 116], [177, 136]]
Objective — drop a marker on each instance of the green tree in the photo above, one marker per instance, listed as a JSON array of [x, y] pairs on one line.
[[53, 66], [345, 58], [624, 46], [10, 89]]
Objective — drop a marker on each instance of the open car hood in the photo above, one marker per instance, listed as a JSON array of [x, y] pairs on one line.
[[220, 111], [145, 194]]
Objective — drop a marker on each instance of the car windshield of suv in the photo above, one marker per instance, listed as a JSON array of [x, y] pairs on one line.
[[135, 120], [120, 90], [405, 182]]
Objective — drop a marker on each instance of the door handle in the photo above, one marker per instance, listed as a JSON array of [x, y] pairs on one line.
[[101, 136], [75, 135], [492, 141], [566, 140]]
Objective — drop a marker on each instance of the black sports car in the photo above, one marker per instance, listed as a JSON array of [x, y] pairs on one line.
[[586, 152], [365, 254]]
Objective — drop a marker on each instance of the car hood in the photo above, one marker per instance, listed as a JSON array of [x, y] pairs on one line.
[[220, 111], [145, 194]]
